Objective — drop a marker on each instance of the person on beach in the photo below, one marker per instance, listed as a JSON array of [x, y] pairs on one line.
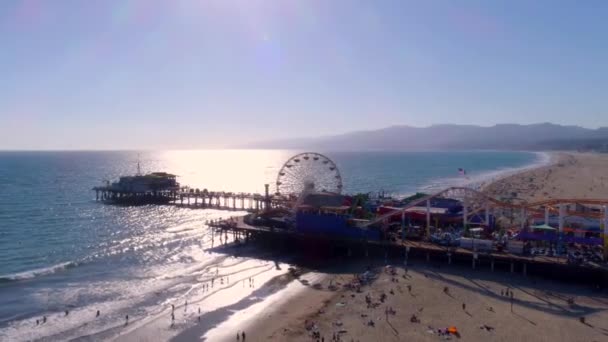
[[67, 312], [186, 306], [464, 307], [126, 319], [98, 313], [37, 322], [243, 335], [172, 309], [43, 319]]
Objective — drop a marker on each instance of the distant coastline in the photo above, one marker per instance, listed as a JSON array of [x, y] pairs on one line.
[[567, 175], [483, 179]]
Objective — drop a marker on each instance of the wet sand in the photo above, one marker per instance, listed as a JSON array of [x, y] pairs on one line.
[[569, 175], [541, 311]]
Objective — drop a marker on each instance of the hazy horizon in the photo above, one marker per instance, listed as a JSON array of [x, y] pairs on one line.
[[192, 74]]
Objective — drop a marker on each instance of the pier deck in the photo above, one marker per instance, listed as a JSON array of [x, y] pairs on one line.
[[219, 200], [541, 265]]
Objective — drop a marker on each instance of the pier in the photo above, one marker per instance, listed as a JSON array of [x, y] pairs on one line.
[[457, 224], [221, 200], [414, 251], [193, 198]]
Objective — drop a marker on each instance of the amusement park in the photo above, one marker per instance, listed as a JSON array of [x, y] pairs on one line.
[[308, 203]]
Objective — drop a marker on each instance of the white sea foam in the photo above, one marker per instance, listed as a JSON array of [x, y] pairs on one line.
[[38, 272], [481, 179], [145, 294]]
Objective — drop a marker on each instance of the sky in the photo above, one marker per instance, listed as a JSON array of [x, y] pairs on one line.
[[150, 74]]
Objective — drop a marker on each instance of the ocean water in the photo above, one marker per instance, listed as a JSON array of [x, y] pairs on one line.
[[61, 250]]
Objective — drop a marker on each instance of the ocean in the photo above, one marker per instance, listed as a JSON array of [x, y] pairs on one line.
[[61, 250]]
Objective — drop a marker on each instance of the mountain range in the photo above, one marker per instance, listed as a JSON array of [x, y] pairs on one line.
[[543, 136]]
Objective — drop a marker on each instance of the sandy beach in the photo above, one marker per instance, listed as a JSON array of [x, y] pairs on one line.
[[541, 309], [568, 175]]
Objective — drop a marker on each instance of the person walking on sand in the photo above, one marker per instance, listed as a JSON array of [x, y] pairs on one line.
[[67, 312], [98, 313], [126, 319], [243, 335], [511, 301], [464, 307], [43, 319], [238, 336]]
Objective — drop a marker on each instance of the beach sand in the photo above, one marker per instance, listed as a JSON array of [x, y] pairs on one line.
[[568, 175], [541, 311]]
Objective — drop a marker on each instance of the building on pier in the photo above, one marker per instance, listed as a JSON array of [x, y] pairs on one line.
[[153, 188]]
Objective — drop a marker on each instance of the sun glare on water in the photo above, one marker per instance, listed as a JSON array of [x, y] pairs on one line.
[[225, 170]]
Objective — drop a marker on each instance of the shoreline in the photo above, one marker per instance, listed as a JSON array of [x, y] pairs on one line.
[[482, 179], [566, 175], [544, 159]]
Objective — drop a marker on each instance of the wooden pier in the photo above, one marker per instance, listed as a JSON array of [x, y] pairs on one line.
[[194, 198], [409, 250]]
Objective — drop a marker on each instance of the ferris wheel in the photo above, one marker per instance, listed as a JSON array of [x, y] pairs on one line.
[[310, 172]]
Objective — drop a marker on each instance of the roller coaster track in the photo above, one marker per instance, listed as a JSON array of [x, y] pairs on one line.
[[477, 201]]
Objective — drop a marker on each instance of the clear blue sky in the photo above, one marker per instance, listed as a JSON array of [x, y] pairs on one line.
[[195, 73]]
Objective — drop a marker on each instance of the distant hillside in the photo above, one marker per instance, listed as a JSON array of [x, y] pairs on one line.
[[545, 136]]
